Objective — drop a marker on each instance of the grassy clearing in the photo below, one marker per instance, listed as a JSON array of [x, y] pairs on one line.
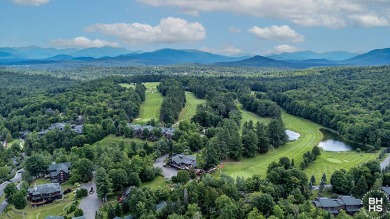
[[127, 85], [247, 116], [190, 108], [150, 108], [158, 183], [328, 162]]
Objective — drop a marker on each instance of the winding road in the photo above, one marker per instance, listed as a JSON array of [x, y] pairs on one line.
[[16, 179]]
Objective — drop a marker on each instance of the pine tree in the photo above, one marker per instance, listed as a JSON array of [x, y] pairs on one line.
[[313, 179], [263, 141], [360, 187], [210, 156], [103, 184], [292, 162], [249, 143], [323, 179], [277, 133]]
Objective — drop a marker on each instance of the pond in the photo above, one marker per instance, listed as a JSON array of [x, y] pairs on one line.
[[292, 136], [333, 142]]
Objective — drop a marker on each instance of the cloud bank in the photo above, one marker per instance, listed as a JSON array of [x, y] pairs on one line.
[[328, 13], [169, 30], [31, 2], [82, 43], [279, 33]]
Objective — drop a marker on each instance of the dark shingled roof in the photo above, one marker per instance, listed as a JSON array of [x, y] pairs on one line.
[[184, 159], [349, 200], [54, 217], [55, 169], [328, 203], [45, 189], [386, 189]]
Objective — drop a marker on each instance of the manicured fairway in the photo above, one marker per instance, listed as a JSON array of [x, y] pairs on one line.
[[310, 136], [190, 109], [150, 108]]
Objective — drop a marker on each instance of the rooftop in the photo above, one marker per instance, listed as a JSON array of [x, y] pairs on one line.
[[45, 189], [184, 159]]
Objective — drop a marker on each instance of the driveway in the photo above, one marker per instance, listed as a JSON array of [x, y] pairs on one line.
[[167, 172], [90, 204], [326, 186], [385, 162]]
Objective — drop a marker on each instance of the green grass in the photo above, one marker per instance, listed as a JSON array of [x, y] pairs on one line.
[[190, 108], [40, 181], [54, 209], [158, 183], [328, 162], [247, 116], [12, 142], [127, 85], [150, 108]]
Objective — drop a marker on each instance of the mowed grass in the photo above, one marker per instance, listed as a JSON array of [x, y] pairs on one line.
[[55, 209], [190, 108], [247, 116], [157, 183], [150, 108], [328, 162]]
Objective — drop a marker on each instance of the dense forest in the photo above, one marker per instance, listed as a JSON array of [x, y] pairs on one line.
[[353, 101]]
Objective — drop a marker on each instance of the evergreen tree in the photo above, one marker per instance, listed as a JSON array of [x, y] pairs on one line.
[[249, 143], [277, 133], [19, 200], [118, 209], [263, 141], [323, 179], [210, 156], [360, 188], [313, 179]]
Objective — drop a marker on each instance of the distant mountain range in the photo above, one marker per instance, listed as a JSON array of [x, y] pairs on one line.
[[305, 55], [110, 56]]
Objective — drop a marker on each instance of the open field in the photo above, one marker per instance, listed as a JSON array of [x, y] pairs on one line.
[[127, 85], [9, 144], [328, 162], [246, 116], [157, 183], [150, 108], [190, 108]]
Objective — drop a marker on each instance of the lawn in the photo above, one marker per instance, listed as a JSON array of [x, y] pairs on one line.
[[328, 162], [190, 108], [150, 108], [44, 211], [17, 141], [127, 85], [157, 183]]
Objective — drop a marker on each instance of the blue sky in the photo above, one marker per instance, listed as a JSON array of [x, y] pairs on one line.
[[226, 27]]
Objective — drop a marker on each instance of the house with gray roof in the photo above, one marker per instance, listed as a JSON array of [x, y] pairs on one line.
[[183, 162], [59, 173], [54, 217], [45, 193], [348, 203]]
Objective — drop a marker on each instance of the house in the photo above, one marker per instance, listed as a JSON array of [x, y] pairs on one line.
[[46, 193], [160, 206], [59, 173], [61, 126], [54, 217], [15, 161], [168, 132], [183, 162], [348, 203], [386, 189]]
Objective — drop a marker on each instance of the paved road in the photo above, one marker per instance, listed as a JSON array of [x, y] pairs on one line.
[[168, 172], [17, 178], [385, 162], [90, 204], [326, 186]]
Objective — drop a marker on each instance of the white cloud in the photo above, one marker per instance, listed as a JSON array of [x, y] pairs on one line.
[[170, 30], [284, 49], [82, 42], [370, 20], [279, 33], [234, 29], [31, 2], [226, 50], [328, 13]]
